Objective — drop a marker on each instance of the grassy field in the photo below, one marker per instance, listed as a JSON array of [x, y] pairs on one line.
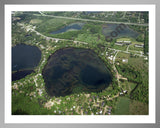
[[138, 108], [121, 56], [52, 24], [126, 85], [119, 47], [132, 47], [122, 107], [87, 38], [137, 62], [35, 21], [132, 85], [125, 106]]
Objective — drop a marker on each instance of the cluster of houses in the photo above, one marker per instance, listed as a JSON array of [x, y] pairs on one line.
[[123, 42]]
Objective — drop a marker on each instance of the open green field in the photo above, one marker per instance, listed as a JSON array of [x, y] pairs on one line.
[[52, 24], [136, 42], [122, 106], [138, 108], [126, 85], [138, 62], [121, 56], [35, 21], [117, 47], [125, 106], [87, 38], [132, 47]]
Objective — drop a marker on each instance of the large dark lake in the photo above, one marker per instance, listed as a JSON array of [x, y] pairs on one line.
[[70, 27], [24, 59], [75, 70]]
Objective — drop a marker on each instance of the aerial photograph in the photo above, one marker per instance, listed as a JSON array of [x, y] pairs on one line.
[[80, 63]]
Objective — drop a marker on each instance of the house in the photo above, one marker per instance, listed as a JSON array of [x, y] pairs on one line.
[[123, 42], [125, 60], [139, 45], [146, 58], [118, 43], [126, 41], [110, 58], [125, 91], [40, 92], [121, 93]]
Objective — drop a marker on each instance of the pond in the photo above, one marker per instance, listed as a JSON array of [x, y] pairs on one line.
[[75, 70], [24, 59], [126, 32], [70, 27]]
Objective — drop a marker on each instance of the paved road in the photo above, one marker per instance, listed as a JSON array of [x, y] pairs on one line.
[[42, 14]]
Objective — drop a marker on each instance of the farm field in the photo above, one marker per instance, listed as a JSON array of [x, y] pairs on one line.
[[122, 106]]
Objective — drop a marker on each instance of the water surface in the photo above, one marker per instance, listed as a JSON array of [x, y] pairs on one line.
[[75, 70], [24, 59], [70, 27]]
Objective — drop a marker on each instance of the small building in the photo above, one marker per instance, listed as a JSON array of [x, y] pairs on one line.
[[110, 58], [145, 58], [125, 60], [139, 45], [123, 42], [121, 94], [125, 91], [40, 92], [100, 112], [127, 41], [118, 43]]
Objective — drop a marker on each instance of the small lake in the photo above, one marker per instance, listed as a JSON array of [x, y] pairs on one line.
[[75, 70], [24, 59], [70, 27], [126, 32]]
